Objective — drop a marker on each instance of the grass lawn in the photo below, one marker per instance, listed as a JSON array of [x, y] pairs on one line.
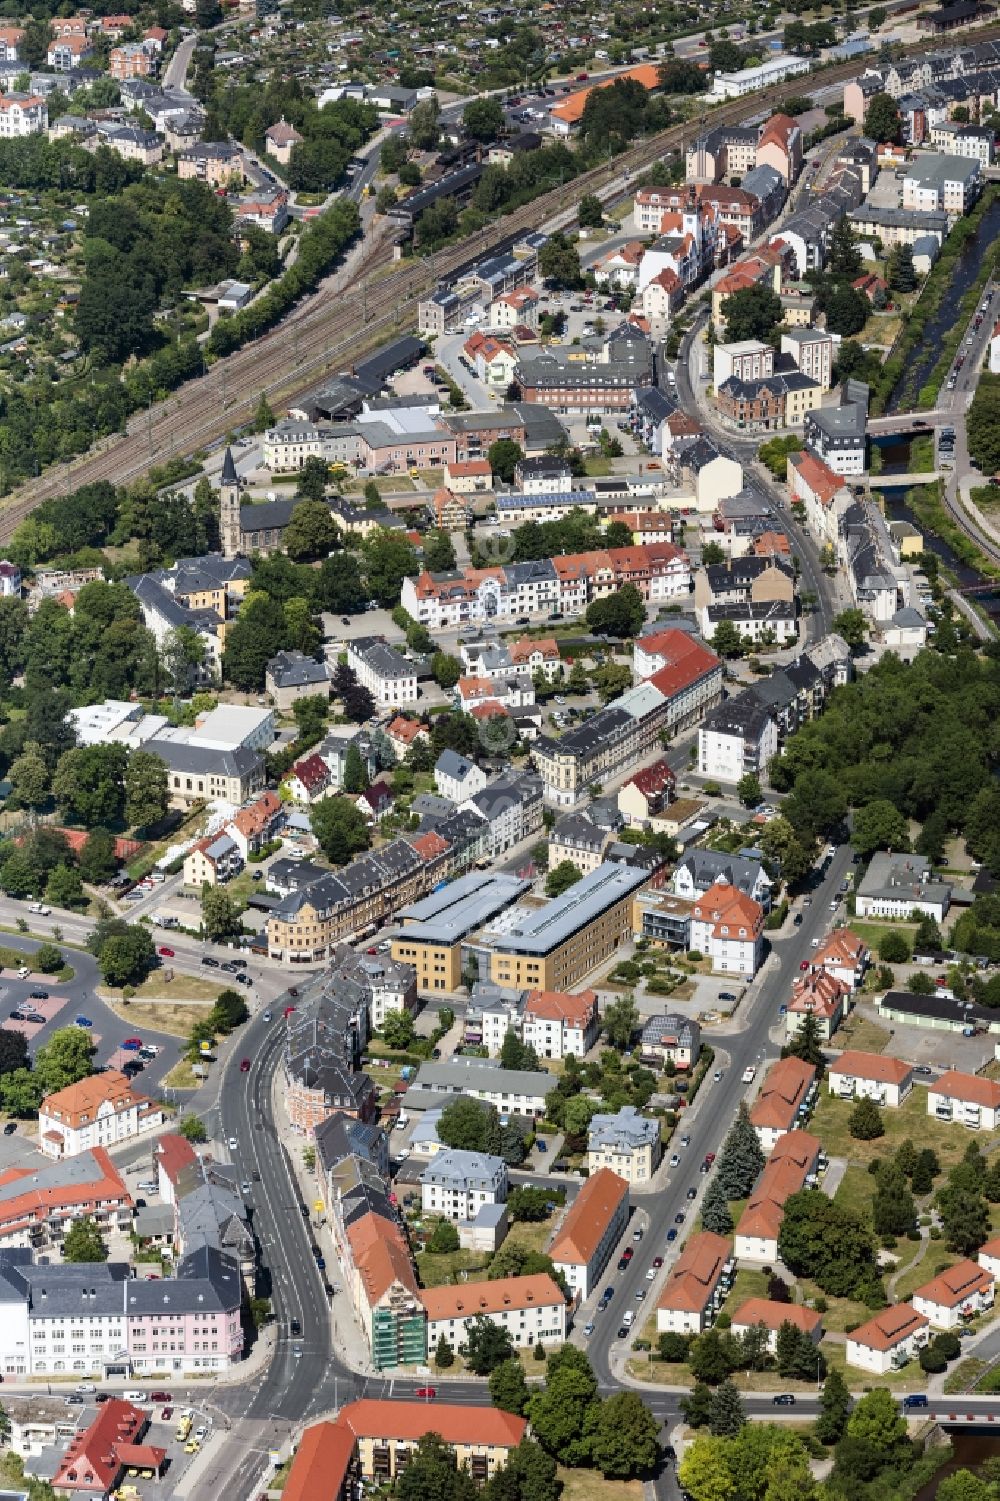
[[388, 484], [182, 1076], [174, 1019], [839, 1311], [862, 1033], [910, 1379], [872, 932], [935, 1261], [597, 466], [750, 1283], [856, 1191], [435, 1270], [590, 1485], [964, 1376], [14, 958], [180, 988], [911, 1120]]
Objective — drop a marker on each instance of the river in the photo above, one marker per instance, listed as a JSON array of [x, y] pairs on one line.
[[925, 356], [970, 1449]]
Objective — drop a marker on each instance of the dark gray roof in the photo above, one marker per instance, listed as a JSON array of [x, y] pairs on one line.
[[291, 669], [742, 715], [229, 475], [273, 515], [179, 755]]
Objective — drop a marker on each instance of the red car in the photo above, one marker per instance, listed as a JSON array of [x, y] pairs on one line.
[[165, 953], [804, 964], [160, 1397], [244, 1065], [166, 1414], [427, 1392], [710, 1158], [627, 1254], [289, 1010], [132, 1044]]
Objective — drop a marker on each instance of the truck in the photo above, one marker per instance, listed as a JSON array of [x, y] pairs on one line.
[[40, 909], [749, 1074], [183, 1429]]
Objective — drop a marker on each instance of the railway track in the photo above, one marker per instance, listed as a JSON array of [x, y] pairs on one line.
[[331, 326]]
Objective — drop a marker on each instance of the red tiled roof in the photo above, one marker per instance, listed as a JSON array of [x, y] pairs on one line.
[[321, 1463], [685, 662], [593, 1209], [889, 1328], [312, 772], [971, 1087], [878, 1066], [772, 1315], [371, 1418], [782, 1093], [652, 780], [468, 1299], [430, 845], [955, 1284], [820, 479], [555, 1005], [174, 1153], [695, 1273], [90, 1462]]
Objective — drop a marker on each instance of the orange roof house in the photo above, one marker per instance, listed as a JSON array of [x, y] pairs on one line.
[[93, 1460], [570, 110], [409, 1421], [588, 1234], [321, 1465], [785, 1172], [783, 1091], [467, 1300], [772, 1315], [691, 1287]]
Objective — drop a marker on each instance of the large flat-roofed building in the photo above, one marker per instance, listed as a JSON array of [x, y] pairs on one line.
[[553, 947], [434, 930], [591, 1230]]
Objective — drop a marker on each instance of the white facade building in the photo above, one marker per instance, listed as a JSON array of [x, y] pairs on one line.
[[457, 1184]]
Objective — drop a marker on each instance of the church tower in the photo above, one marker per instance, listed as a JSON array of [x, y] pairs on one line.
[[229, 508]]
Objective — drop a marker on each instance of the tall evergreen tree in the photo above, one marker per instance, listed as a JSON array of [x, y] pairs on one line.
[[727, 1416], [741, 1159], [715, 1213]]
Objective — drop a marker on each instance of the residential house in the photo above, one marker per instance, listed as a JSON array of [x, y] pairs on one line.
[[697, 1286], [765, 1313], [628, 1143], [822, 493], [888, 1340], [212, 861], [403, 734], [590, 1231], [700, 869], [954, 1295], [786, 1094], [820, 995], [874, 1076], [646, 793], [457, 1184], [387, 1433], [22, 115], [790, 1167], [531, 1309], [727, 926], [557, 1025], [670, 1038], [291, 675], [969, 1099], [812, 349], [456, 777], [389, 677], [97, 1112], [280, 141], [575, 840], [737, 738], [309, 779], [845, 956]]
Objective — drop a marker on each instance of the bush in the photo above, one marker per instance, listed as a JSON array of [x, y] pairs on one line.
[[48, 958], [931, 1360], [444, 1238]]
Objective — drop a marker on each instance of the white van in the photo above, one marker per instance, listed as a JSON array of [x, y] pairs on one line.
[[133, 1396], [628, 1318], [40, 908]]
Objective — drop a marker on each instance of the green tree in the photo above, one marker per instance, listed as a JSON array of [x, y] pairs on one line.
[[193, 1129], [313, 478], [65, 889], [432, 1474], [487, 1345], [902, 274], [389, 559], [559, 1412], [439, 552], [503, 455], [124, 951], [82, 1242], [807, 1044], [508, 1388], [65, 1059], [340, 828], [749, 790], [220, 918], [835, 1405], [865, 1120], [444, 1355], [263, 416], [559, 263], [146, 795], [715, 1213], [47, 958], [847, 310], [443, 1239], [965, 1220], [621, 614], [484, 119], [29, 776], [621, 1022], [844, 257], [356, 778], [468, 1125], [852, 626], [229, 1012], [784, 851], [876, 1420], [21, 1093], [624, 1437], [13, 1051], [704, 1471], [398, 1030], [727, 641], [822, 1240], [713, 1356], [89, 783], [879, 826], [590, 214], [741, 1160], [528, 1203], [561, 878], [893, 948], [727, 1416], [752, 313], [446, 670], [882, 122], [311, 532]]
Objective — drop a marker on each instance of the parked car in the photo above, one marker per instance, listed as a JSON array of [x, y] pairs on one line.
[[426, 1393], [165, 953], [783, 1399]]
